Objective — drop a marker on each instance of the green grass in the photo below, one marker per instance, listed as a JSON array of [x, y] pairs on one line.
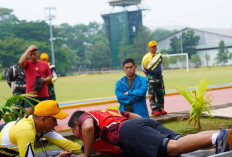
[[183, 128], [96, 86]]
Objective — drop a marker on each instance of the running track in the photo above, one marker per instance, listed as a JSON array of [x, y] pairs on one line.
[[220, 94]]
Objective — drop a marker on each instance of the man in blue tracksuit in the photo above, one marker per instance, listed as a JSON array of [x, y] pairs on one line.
[[131, 90]]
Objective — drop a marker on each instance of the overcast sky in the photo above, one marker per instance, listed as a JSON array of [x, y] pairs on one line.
[[160, 13]]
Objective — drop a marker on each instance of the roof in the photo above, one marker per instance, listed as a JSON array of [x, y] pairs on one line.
[[219, 31]]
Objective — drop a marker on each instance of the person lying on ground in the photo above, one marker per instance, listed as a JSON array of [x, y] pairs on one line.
[[126, 133], [19, 137]]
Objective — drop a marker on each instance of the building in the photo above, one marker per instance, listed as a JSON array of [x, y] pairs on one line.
[[208, 43], [125, 23]]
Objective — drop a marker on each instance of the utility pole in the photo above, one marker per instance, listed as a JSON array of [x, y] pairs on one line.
[[50, 17]]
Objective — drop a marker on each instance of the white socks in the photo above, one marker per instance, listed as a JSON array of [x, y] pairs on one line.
[[214, 138]]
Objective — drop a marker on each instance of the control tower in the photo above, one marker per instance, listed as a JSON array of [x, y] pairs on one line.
[[117, 23]]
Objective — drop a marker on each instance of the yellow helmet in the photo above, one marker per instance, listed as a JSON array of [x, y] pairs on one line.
[[44, 57], [152, 43]]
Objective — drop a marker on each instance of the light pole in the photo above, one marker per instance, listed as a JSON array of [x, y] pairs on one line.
[[50, 18]]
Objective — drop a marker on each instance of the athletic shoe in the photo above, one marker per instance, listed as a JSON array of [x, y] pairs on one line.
[[224, 141], [156, 113], [163, 112]]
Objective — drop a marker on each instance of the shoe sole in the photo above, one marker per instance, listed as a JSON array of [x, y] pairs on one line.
[[163, 113]]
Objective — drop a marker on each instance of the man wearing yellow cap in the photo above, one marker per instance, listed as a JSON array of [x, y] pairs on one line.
[[19, 137], [51, 90], [152, 67]]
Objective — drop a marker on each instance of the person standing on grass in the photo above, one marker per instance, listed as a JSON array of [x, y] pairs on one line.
[[37, 75], [152, 67], [131, 90]]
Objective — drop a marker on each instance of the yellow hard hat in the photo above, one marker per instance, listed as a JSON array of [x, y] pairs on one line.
[[152, 43], [44, 57]]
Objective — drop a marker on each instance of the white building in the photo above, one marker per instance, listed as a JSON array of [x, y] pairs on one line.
[[208, 42]]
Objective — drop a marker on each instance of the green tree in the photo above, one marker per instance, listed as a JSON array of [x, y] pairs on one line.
[[223, 54], [190, 41], [98, 53], [230, 56], [7, 20], [65, 57], [207, 58], [160, 33], [174, 45], [33, 31], [139, 47], [165, 60], [196, 60], [10, 50], [124, 48], [7, 16]]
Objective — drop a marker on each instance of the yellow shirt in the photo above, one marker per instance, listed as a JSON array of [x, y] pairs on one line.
[[151, 63]]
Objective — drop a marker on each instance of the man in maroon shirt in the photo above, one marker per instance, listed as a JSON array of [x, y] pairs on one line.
[[35, 68]]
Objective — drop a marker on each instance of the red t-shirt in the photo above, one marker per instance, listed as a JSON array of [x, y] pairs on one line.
[[112, 132], [100, 145], [31, 71]]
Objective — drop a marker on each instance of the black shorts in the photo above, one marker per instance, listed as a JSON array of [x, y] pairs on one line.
[[143, 137]]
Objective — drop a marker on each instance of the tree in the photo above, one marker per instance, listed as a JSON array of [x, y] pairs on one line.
[[78, 38], [6, 16], [160, 33], [124, 48], [139, 47], [98, 54], [33, 31], [207, 58], [223, 54], [196, 60], [165, 60], [7, 20], [10, 50], [65, 59], [190, 40], [174, 45]]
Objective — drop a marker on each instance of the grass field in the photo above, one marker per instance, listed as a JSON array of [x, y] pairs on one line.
[[183, 128], [96, 86]]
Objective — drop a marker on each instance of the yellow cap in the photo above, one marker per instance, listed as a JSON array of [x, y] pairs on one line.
[[152, 43], [49, 108], [44, 57]]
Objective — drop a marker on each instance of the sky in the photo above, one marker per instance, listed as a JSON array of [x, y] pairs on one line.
[[159, 14]]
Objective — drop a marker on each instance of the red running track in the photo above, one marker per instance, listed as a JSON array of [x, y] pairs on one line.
[[173, 103]]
